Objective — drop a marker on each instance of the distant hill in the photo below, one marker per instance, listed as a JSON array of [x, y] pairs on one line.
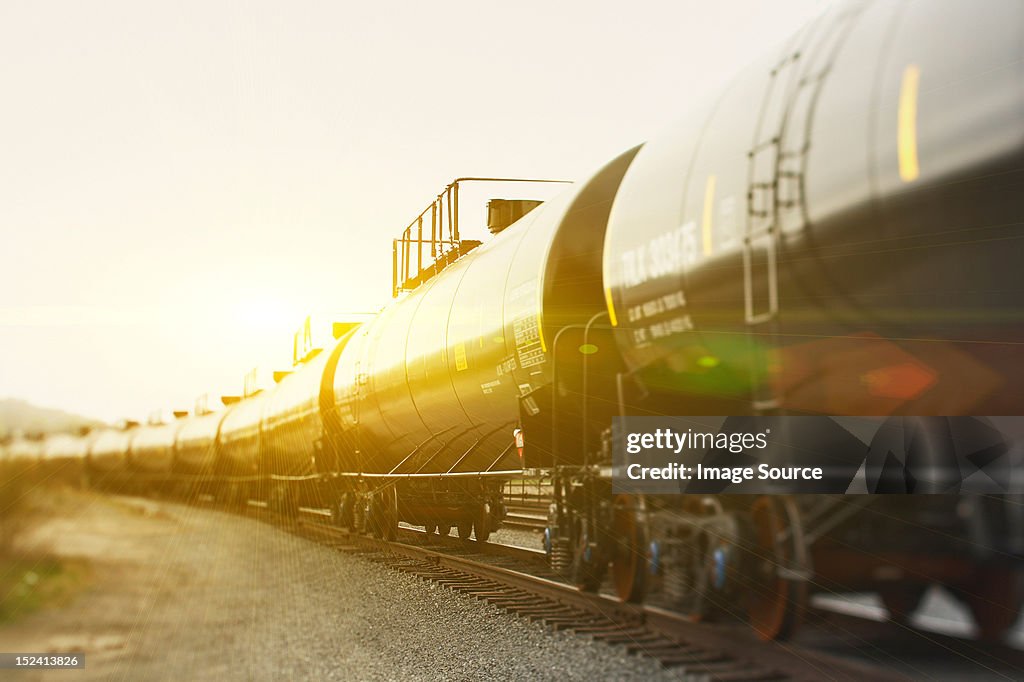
[[18, 415]]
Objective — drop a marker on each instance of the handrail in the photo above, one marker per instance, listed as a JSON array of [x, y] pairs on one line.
[[446, 243]]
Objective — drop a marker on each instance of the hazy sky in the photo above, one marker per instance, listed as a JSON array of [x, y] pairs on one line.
[[180, 183]]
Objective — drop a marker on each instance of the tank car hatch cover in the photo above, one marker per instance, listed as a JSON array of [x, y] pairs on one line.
[[503, 212], [339, 329]]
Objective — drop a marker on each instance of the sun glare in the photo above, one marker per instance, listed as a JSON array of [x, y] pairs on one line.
[[268, 315]]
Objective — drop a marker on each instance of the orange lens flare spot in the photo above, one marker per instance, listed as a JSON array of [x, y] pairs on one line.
[[902, 382]]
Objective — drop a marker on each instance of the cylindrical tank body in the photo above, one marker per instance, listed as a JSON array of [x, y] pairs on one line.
[[292, 422], [64, 447], [238, 444], [433, 384], [64, 457], [839, 231], [195, 446], [24, 450], [108, 451], [152, 448]]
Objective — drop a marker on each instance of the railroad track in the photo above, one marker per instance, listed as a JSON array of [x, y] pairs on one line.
[[517, 580]]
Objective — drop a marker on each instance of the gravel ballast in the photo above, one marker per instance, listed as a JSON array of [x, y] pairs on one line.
[[186, 593]]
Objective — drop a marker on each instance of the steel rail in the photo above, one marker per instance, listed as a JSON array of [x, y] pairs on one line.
[[709, 651]]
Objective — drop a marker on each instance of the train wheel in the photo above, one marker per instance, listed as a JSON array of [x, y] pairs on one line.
[[590, 563], [360, 513], [465, 529], [236, 496], [373, 519], [384, 514], [282, 499], [344, 511], [391, 507], [777, 597], [629, 547], [902, 600], [249, 491], [993, 596], [482, 523]]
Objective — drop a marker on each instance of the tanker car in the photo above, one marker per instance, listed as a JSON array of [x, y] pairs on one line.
[[837, 232]]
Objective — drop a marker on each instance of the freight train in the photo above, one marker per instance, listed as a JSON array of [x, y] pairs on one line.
[[838, 231]]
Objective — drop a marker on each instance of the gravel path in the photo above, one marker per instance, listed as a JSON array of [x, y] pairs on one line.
[[185, 593], [518, 538], [515, 537]]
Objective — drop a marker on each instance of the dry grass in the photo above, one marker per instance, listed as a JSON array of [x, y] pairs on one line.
[[29, 582], [17, 482]]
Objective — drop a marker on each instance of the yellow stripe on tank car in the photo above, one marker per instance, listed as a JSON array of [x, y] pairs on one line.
[[611, 306], [540, 331], [605, 272], [706, 218], [540, 308], [906, 135]]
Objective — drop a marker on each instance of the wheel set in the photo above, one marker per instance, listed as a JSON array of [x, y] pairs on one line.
[[701, 560]]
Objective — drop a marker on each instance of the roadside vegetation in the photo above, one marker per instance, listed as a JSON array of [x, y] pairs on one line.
[[29, 584], [30, 580]]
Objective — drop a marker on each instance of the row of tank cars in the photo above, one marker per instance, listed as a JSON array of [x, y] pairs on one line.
[[837, 232], [270, 447]]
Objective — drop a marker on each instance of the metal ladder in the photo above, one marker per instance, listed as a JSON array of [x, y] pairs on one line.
[[775, 197]]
